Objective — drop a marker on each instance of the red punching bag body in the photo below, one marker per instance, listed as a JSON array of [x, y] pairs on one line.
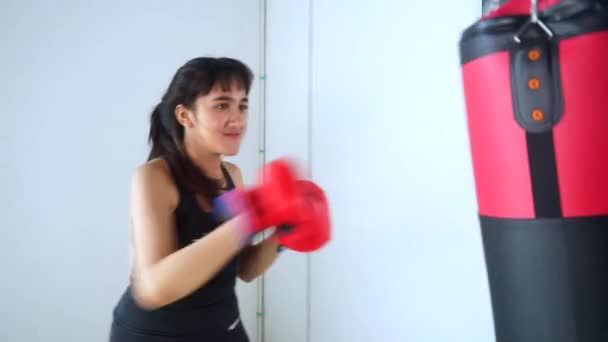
[[536, 91]]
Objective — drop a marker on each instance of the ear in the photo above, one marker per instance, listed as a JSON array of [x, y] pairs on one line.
[[184, 116]]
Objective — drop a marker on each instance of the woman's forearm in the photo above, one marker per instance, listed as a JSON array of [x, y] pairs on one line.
[[256, 259], [187, 269]]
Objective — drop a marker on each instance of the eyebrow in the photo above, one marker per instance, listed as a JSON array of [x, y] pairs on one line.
[[230, 99]]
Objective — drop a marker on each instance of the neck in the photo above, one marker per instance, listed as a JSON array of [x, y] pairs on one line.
[[207, 161]]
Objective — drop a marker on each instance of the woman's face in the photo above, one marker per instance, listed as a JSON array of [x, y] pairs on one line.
[[218, 121]]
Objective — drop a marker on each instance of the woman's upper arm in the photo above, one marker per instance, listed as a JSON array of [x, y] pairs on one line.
[[153, 200]]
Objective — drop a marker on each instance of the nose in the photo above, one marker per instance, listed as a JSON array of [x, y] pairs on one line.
[[237, 119]]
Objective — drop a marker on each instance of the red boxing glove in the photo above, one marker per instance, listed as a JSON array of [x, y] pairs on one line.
[[271, 203], [298, 208], [310, 228]]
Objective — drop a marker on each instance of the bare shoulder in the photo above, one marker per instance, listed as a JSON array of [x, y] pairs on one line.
[[235, 173], [154, 178], [155, 170]]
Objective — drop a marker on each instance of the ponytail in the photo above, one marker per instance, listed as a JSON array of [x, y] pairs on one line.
[[156, 133]]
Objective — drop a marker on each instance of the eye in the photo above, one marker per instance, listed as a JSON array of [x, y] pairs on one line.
[[222, 106], [244, 108]]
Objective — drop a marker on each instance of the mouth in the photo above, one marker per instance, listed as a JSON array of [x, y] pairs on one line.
[[232, 135]]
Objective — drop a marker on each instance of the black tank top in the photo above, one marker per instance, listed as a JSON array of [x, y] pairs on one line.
[[212, 306]]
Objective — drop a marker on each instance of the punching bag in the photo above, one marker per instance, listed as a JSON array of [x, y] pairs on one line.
[[535, 77]]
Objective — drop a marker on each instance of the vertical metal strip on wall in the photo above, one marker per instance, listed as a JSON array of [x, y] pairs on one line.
[[262, 153], [310, 146], [260, 314]]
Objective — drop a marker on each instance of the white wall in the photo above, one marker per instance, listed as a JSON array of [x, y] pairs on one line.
[[380, 85], [390, 147], [287, 133], [78, 80]]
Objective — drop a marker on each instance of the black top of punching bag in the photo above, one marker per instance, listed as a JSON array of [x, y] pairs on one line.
[[567, 19]]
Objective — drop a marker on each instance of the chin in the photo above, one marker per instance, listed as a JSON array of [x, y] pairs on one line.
[[229, 148], [230, 152]]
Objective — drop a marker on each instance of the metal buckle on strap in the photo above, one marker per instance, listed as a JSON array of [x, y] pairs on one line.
[[534, 21]]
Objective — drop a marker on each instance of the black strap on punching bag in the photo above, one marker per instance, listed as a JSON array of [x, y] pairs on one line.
[[537, 102]]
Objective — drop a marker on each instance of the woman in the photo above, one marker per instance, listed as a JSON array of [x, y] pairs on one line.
[[185, 261]]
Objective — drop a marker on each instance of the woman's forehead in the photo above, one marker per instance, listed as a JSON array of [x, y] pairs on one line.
[[234, 90]]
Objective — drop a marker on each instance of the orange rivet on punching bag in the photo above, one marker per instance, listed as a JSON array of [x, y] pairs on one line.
[[538, 115], [534, 83], [534, 55]]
